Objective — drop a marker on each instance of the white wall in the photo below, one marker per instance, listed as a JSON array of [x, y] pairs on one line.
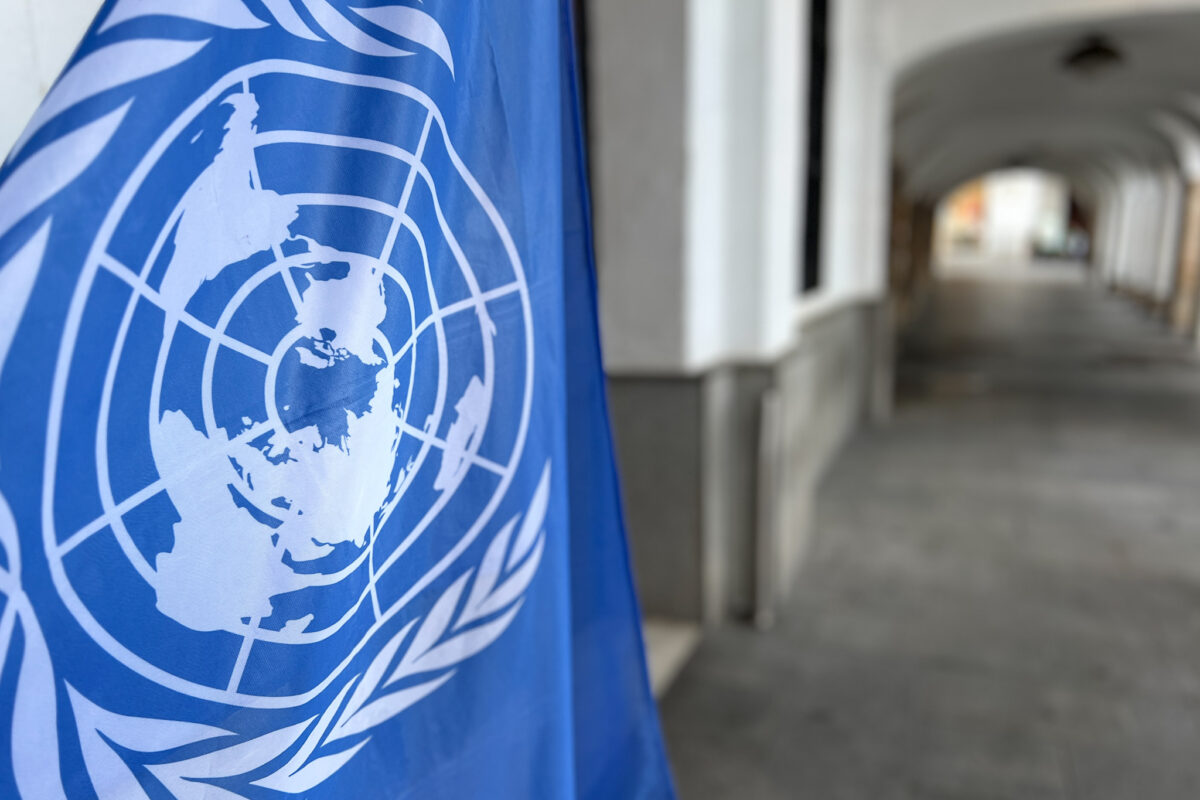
[[857, 177], [914, 29], [1140, 225], [743, 204], [1105, 245], [697, 129], [1142, 211], [1169, 233], [636, 87], [36, 39], [784, 147], [716, 116]]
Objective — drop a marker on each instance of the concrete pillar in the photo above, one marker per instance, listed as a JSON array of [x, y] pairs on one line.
[[901, 272], [1139, 231], [637, 72], [698, 139], [1169, 226], [696, 136], [1187, 277], [1142, 253], [1104, 237]]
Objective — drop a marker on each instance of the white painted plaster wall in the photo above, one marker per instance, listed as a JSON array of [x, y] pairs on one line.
[[785, 138], [1103, 236], [743, 205], [856, 187], [637, 74], [914, 29], [697, 136], [1110, 208], [711, 216], [36, 39], [1126, 225], [1184, 137], [1143, 255], [1169, 233], [1139, 226]]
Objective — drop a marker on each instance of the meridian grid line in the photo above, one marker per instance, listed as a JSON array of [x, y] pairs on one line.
[[406, 193], [398, 215], [138, 285], [239, 666], [256, 184], [476, 302], [476, 459], [137, 498]]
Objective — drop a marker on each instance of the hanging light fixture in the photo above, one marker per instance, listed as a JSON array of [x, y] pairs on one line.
[[1093, 55]]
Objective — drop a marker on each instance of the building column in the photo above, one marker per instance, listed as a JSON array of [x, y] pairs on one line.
[[696, 183], [1187, 277]]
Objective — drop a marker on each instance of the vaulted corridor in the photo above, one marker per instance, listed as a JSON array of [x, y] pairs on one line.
[[1001, 598]]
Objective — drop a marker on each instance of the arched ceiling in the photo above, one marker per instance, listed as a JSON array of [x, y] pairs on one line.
[[1012, 100]]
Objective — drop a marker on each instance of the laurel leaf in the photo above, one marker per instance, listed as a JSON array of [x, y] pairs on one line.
[[185, 778], [195, 790], [462, 646], [347, 34], [111, 777], [222, 13], [286, 16], [282, 778], [106, 69], [314, 773], [412, 24], [534, 518], [142, 734], [16, 281], [49, 170], [34, 717], [435, 624], [513, 588], [8, 625], [374, 674], [387, 707], [489, 572]]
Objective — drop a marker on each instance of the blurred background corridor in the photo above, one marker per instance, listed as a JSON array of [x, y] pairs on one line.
[[899, 304], [1000, 597]]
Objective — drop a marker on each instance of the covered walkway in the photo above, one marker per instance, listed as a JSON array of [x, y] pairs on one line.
[[1001, 598]]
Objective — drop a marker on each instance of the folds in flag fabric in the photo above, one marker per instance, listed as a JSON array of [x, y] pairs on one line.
[[306, 485]]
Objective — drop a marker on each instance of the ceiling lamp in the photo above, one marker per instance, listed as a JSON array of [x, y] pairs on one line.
[[1092, 56]]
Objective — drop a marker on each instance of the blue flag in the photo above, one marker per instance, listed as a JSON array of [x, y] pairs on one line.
[[306, 485]]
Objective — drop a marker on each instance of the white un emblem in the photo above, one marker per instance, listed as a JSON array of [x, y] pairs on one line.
[[318, 391]]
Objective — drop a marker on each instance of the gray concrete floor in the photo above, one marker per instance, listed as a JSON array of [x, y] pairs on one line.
[[1002, 601]]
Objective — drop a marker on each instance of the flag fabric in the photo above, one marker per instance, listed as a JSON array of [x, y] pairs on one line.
[[306, 484]]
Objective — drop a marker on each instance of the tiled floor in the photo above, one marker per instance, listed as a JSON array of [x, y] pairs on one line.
[[1002, 601]]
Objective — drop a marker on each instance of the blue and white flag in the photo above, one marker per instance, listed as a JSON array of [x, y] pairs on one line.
[[306, 485]]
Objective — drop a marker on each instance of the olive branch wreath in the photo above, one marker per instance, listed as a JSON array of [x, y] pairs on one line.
[[415, 662], [186, 757], [419, 659]]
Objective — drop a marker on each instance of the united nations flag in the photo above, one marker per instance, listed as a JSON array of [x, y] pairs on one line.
[[306, 486]]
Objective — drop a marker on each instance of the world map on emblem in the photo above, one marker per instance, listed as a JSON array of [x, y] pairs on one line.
[[315, 395]]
